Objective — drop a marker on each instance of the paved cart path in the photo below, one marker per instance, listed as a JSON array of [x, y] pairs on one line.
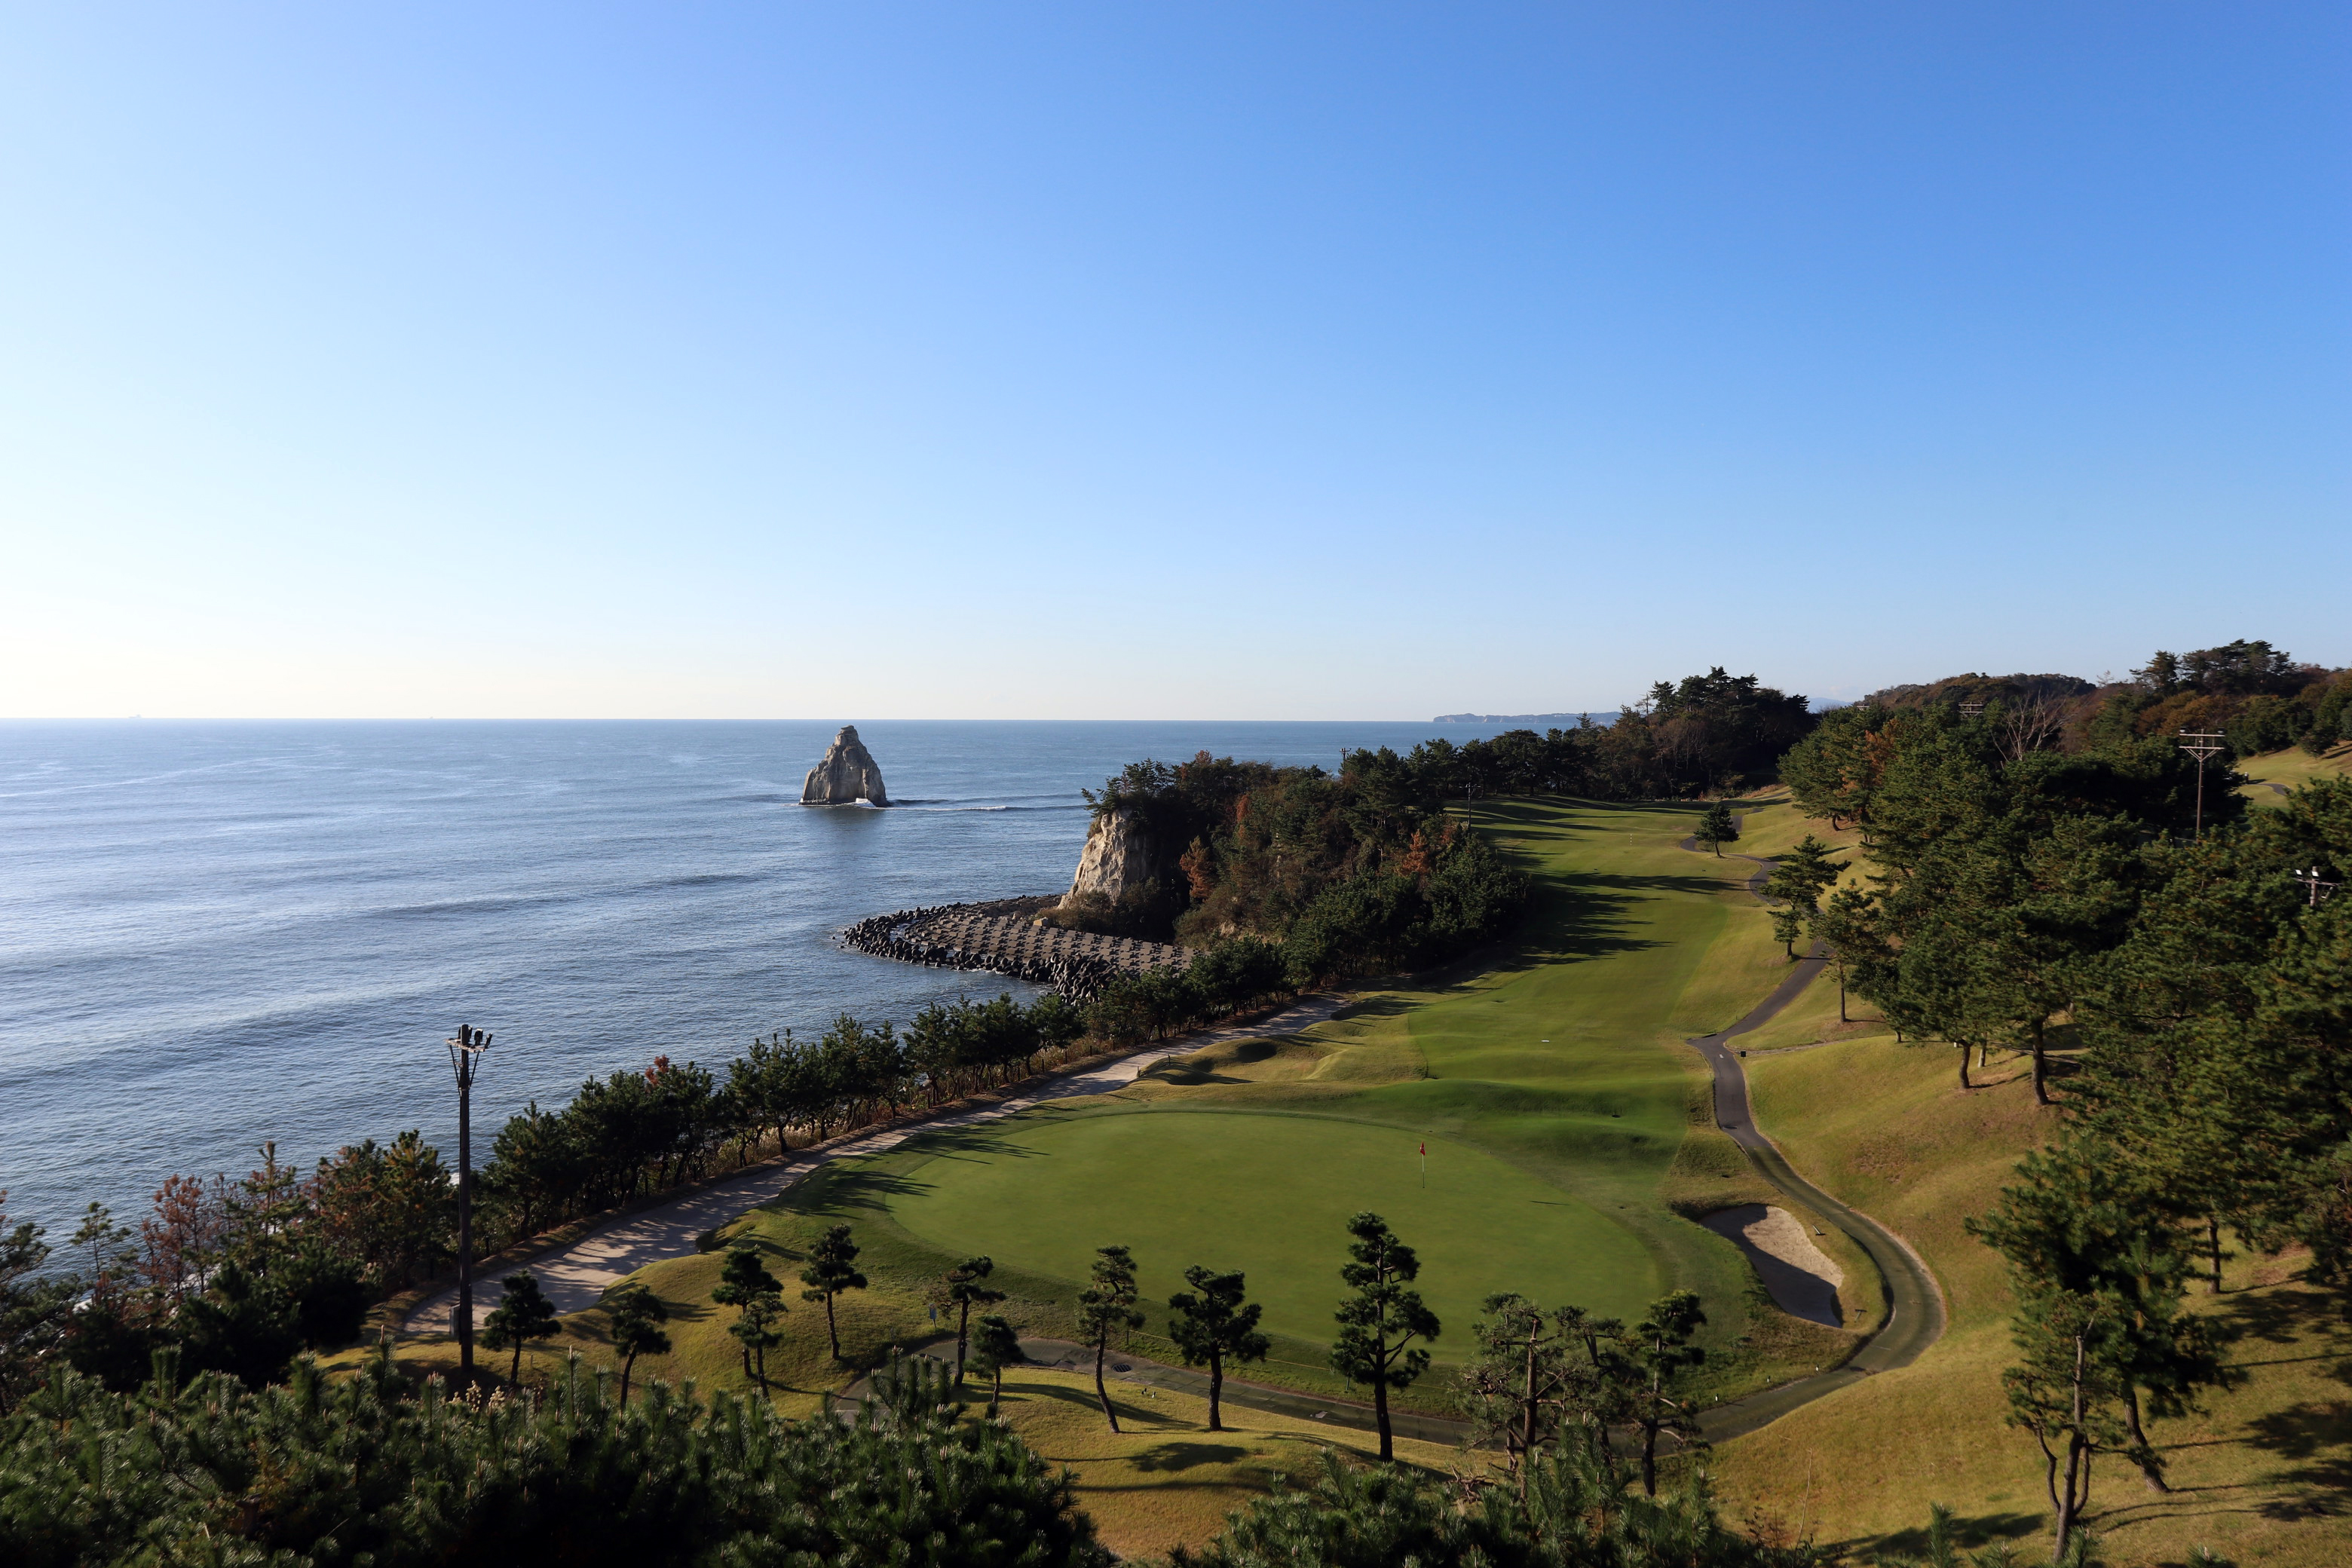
[[1914, 1317]]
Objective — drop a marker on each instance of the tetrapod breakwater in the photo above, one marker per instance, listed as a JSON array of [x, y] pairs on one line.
[[1000, 937]]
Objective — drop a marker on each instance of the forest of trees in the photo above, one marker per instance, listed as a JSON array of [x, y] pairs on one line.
[[1364, 872], [2184, 1001], [1707, 734]]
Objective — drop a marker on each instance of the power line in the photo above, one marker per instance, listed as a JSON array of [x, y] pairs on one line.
[[2321, 892], [2204, 745]]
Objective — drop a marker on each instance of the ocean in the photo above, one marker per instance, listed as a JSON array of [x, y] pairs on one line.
[[216, 934]]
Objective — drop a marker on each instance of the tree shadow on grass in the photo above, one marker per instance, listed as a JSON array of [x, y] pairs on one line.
[[1970, 1532], [2279, 1317], [1128, 1410], [1169, 1456], [2317, 1439], [845, 1190]]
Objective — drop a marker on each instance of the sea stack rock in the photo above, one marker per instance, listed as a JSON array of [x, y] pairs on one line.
[[847, 775], [1120, 855]]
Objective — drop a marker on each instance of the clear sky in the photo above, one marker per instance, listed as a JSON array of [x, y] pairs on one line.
[[1259, 360]]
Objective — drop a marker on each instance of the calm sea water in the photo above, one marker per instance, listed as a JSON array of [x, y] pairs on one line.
[[212, 934]]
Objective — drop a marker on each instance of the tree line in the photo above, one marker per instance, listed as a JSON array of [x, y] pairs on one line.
[[2181, 1000], [2257, 698]]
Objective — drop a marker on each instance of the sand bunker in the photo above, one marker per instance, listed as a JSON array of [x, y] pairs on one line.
[[1802, 1280]]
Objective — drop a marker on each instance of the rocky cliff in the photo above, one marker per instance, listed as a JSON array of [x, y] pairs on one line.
[[848, 774], [1120, 855]]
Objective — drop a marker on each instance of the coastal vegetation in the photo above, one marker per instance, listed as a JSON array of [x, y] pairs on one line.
[[1366, 871]]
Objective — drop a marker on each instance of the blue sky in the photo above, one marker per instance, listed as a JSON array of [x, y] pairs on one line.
[[1251, 361]]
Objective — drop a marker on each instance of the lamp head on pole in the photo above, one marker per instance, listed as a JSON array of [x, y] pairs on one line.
[[465, 1048]]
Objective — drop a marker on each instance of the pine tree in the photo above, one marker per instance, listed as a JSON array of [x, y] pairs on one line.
[[524, 1314], [1215, 1326], [1517, 1382], [1660, 1350], [756, 1295], [967, 1288], [1104, 1308], [1797, 881], [832, 1270], [994, 1348], [2088, 1242], [637, 1316], [1379, 1323], [1716, 828]]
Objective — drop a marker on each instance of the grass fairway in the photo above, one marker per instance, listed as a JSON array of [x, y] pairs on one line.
[[1268, 1194]]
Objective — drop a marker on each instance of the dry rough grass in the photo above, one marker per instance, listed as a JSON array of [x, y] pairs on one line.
[[2264, 1475]]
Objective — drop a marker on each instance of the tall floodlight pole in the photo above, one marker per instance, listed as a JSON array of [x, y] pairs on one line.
[[2201, 745], [464, 1060], [2321, 892]]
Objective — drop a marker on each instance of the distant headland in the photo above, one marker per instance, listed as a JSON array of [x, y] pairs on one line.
[[1524, 718]]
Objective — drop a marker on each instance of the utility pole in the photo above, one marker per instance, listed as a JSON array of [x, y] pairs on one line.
[[1971, 709], [464, 1060], [2204, 745], [2320, 892]]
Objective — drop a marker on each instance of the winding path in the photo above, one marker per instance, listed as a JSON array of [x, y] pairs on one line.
[[1915, 1316], [576, 1276]]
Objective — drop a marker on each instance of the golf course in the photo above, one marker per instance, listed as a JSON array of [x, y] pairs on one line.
[[1571, 1150], [1570, 1146]]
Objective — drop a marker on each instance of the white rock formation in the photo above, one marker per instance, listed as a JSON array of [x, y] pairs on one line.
[[1118, 855], [847, 775]]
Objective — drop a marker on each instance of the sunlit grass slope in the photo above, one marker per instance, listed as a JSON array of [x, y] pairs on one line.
[[1887, 1129], [2290, 768]]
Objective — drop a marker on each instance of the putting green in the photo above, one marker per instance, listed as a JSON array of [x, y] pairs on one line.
[[1269, 1195]]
